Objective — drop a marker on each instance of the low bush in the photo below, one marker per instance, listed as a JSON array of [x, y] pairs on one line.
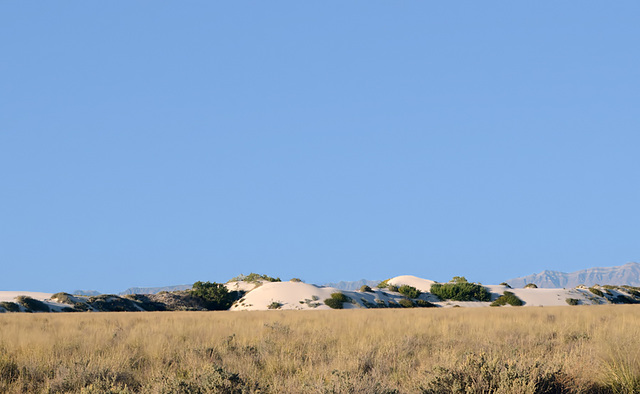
[[505, 284], [460, 291], [392, 288], [365, 289], [62, 297], [409, 291], [406, 303], [32, 304], [531, 286], [295, 280], [572, 301], [336, 300], [274, 305], [10, 306], [340, 297], [215, 295], [253, 277], [384, 284], [596, 291], [333, 303], [507, 298], [424, 304]]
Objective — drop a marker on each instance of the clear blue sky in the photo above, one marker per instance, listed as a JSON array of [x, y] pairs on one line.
[[153, 143]]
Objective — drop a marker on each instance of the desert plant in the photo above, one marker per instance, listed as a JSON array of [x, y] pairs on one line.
[[340, 297], [295, 280], [253, 277], [596, 291], [572, 301], [333, 303], [392, 288], [505, 284], [32, 304], [406, 303], [215, 295], [274, 305], [460, 291], [507, 298], [10, 306], [530, 286], [384, 284], [424, 304], [365, 289], [458, 279], [409, 291]]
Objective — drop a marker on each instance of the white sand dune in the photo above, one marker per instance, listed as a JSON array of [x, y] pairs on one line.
[[292, 295], [10, 296], [301, 296]]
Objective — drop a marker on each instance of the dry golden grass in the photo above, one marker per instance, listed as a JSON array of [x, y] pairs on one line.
[[510, 350]]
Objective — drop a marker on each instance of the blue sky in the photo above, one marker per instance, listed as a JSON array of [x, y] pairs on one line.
[[153, 143]]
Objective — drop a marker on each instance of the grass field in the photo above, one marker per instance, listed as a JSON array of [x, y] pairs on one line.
[[503, 350]]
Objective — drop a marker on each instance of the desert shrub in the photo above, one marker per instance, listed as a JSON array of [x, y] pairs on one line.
[[380, 303], [10, 306], [460, 291], [424, 304], [507, 298], [505, 284], [333, 303], [393, 304], [572, 301], [62, 297], [215, 295], [32, 304], [112, 303], [295, 280], [623, 299], [458, 279], [274, 305], [340, 297], [384, 284], [409, 291], [365, 289], [392, 288], [596, 291], [253, 277], [530, 286], [406, 303]]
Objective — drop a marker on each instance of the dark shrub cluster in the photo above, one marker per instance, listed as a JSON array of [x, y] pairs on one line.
[[384, 284], [253, 277], [32, 304], [365, 289], [507, 298], [336, 300], [596, 291], [409, 291], [460, 291], [215, 295], [530, 286], [392, 288], [424, 304], [406, 303], [10, 306]]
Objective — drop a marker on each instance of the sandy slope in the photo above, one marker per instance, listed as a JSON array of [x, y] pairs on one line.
[[301, 296], [10, 296]]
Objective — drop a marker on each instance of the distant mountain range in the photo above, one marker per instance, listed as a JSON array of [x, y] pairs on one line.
[[628, 274], [355, 285], [136, 290]]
